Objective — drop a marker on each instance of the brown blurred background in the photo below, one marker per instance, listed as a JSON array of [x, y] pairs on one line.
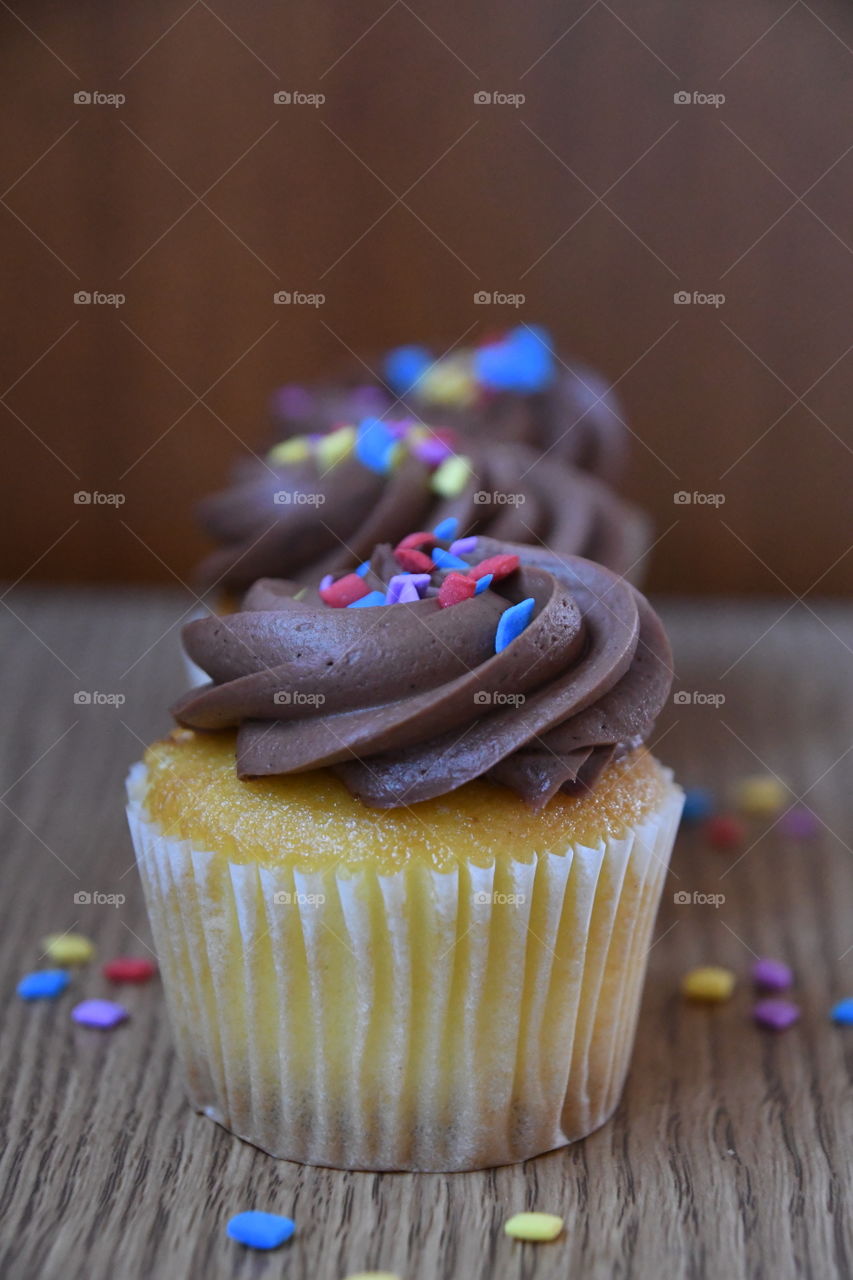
[[398, 198]]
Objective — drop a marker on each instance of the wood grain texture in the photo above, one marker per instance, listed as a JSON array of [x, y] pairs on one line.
[[157, 399], [730, 1153]]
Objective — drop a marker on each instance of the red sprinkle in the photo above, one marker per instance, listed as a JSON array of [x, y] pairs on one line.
[[417, 540], [413, 561], [344, 591], [129, 969], [455, 588], [725, 831], [500, 566]]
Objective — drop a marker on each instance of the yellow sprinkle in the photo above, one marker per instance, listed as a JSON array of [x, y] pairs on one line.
[[452, 476], [294, 450], [533, 1226], [762, 796], [334, 447], [448, 382], [708, 982], [68, 948]]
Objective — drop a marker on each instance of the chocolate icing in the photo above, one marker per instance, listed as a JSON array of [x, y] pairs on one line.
[[409, 701], [356, 508]]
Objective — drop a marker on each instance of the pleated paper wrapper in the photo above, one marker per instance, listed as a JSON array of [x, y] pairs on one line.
[[423, 1020]]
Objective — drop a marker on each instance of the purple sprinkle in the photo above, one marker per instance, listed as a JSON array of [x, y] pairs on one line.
[[775, 1015], [292, 402], [408, 594], [772, 975], [405, 588], [463, 546], [799, 823], [326, 581], [432, 451], [99, 1013]]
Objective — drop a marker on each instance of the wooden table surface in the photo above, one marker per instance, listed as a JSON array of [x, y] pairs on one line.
[[730, 1154]]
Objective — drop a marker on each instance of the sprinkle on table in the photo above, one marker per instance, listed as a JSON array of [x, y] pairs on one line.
[[709, 983], [512, 622], [103, 1014], [533, 1226], [698, 804], [43, 984], [725, 831], [776, 1015], [772, 975], [445, 530], [762, 796], [842, 1012], [129, 969], [68, 948], [260, 1230]]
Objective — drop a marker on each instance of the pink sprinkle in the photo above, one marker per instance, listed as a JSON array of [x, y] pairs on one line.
[[432, 451], [775, 1015], [99, 1013], [772, 975], [463, 546]]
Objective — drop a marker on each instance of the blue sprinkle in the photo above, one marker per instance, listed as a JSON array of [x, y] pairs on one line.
[[522, 362], [698, 804], [842, 1013], [44, 984], [372, 597], [512, 622], [483, 583], [404, 366], [260, 1230], [363, 569], [374, 445], [447, 529], [445, 560]]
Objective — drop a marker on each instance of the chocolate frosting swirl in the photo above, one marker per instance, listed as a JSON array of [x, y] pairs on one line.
[[409, 701], [334, 517]]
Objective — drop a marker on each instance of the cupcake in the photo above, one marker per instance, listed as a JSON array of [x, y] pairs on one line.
[[319, 503], [403, 854]]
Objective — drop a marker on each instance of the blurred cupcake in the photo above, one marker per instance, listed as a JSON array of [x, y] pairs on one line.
[[403, 856], [509, 388], [318, 504]]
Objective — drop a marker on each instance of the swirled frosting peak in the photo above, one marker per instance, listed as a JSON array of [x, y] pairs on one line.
[[443, 659]]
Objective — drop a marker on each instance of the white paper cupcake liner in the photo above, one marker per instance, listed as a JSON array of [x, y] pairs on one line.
[[420, 1020]]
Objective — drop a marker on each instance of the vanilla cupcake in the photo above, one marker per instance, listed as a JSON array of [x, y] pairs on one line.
[[403, 856]]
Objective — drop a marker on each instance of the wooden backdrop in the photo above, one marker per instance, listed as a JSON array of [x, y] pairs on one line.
[[398, 198]]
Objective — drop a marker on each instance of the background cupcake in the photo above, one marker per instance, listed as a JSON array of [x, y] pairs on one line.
[[409, 928]]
